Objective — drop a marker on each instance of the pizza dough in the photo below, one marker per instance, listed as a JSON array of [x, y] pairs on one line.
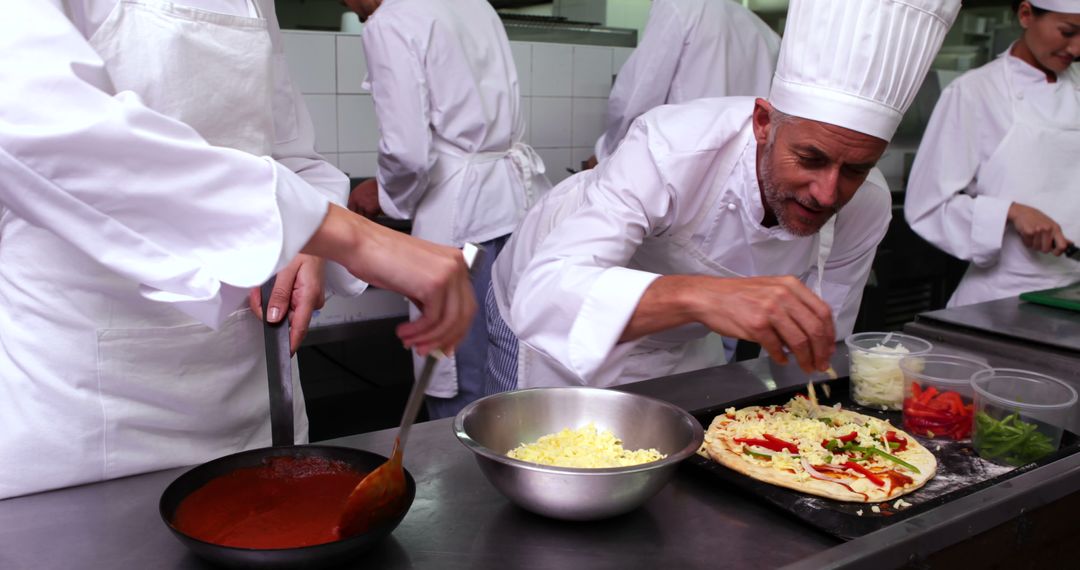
[[824, 451]]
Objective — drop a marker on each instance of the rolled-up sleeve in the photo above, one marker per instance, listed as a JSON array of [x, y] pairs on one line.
[[139, 192], [576, 295]]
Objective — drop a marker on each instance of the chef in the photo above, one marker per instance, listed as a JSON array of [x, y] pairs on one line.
[[156, 165], [996, 180], [756, 219], [690, 49], [451, 156]]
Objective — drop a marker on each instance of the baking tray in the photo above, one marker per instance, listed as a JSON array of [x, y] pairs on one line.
[[1067, 297], [960, 471]]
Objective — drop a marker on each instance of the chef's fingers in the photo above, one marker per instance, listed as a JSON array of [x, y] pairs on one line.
[[299, 322], [451, 326], [816, 332], [772, 345], [255, 302], [308, 295], [1061, 243], [278, 306], [794, 339], [437, 314], [818, 323]]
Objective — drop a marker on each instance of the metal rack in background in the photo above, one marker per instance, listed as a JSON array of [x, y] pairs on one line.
[[557, 29]]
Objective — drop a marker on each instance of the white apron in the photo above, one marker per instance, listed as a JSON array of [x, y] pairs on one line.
[[1037, 164], [460, 206], [682, 349], [98, 381]]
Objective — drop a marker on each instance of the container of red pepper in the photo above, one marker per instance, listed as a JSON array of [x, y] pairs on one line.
[[938, 397]]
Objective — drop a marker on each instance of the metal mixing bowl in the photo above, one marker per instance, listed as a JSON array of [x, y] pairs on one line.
[[494, 425]]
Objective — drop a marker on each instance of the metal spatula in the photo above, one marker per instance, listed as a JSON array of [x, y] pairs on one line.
[[379, 495]]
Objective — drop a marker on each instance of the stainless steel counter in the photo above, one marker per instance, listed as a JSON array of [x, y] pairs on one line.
[[1017, 320], [459, 521]]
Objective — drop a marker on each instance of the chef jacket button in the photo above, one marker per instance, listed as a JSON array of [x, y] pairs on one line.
[[731, 207], [1019, 95]]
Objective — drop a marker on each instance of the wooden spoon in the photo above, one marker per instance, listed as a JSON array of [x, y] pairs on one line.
[[379, 495]]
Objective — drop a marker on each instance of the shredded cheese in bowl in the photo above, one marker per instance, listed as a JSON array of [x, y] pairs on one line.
[[585, 447]]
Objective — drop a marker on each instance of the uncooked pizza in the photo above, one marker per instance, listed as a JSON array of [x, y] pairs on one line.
[[821, 450]]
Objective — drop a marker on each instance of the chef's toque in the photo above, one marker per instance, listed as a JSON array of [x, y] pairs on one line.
[[1062, 6], [858, 63]]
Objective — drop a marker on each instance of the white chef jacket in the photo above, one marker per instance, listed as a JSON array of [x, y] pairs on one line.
[[690, 49], [121, 206], [679, 196], [947, 203], [446, 91], [451, 156], [68, 143]]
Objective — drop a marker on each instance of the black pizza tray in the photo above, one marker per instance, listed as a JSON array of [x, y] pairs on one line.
[[960, 471]]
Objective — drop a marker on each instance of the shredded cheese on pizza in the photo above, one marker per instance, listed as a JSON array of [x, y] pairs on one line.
[[864, 454]]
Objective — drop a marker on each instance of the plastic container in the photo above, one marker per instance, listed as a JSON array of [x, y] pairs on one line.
[[876, 379], [1019, 415], [939, 401]]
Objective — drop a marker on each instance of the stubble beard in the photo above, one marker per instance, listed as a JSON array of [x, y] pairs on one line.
[[775, 200]]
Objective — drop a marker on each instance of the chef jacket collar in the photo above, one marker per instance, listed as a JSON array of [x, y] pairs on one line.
[[1026, 75]]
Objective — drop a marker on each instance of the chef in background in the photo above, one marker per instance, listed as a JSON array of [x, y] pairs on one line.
[[996, 181], [690, 49], [451, 156], [155, 166], [756, 219]]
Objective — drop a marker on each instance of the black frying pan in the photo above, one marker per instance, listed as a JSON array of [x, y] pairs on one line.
[[316, 556], [279, 376]]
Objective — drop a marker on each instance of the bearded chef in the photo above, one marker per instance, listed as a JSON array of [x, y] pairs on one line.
[[690, 49], [156, 165], [754, 219], [996, 180], [451, 155]]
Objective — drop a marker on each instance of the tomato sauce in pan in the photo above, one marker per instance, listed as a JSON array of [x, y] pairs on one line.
[[289, 502]]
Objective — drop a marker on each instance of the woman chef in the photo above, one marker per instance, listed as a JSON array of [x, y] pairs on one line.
[[155, 165], [997, 178]]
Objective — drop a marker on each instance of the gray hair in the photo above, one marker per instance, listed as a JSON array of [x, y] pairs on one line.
[[777, 119]]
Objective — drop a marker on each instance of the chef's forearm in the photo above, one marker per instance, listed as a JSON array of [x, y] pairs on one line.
[[665, 305]]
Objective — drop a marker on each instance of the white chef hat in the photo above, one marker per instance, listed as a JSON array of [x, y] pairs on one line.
[[1063, 6], [858, 63]]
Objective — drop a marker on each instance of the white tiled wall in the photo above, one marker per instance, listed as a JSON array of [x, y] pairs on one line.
[[564, 92]]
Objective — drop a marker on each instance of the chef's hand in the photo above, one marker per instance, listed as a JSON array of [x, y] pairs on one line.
[[590, 163], [364, 199], [434, 277], [298, 292], [779, 313], [1037, 230]]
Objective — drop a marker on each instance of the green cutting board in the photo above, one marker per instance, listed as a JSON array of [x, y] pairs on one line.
[[1067, 297]]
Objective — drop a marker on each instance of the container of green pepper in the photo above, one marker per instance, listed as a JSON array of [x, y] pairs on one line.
[[1019, 415]]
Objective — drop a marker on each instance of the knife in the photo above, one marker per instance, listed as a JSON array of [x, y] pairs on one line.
[[1073, 252]]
